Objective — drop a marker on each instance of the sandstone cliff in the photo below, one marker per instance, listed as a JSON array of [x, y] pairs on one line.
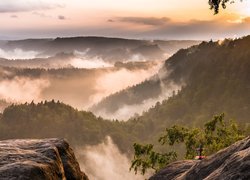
[[38, 159], [232, 163]]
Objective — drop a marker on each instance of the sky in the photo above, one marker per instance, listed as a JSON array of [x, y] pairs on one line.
[[139, 19]]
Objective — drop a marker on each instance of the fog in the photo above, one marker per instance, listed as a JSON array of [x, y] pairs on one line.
[[91, 81], [115, 81], [89, 63], [105, 162], [127, 111], [18, 54], [80, 88], [20, 89]]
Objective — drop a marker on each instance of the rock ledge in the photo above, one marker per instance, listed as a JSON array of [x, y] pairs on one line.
[[230, 163], [38, 159]]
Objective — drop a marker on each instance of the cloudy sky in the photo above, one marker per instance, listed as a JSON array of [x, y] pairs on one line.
[[144, 19]]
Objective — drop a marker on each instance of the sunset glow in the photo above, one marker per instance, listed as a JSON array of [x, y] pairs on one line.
[[148, 19]]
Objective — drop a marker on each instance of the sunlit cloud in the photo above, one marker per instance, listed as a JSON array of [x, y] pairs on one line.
[[40, 14], [14, 16], [166, 28], [246, 20], [128, 19], [153, 21], [60, 17]]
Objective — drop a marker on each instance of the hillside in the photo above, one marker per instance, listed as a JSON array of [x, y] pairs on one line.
[[216, 80], [213, 78], [51, 119]]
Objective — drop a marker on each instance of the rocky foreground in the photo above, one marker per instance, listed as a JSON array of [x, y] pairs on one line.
[[38, 159], [232, 163]]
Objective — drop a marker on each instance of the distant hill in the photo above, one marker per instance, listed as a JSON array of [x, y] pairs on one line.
[[61, 60], [108, 49]]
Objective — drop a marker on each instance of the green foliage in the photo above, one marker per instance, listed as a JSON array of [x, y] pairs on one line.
[[174, 134], [219, 134], [217, 80], [146, 158], [54, 119], [215, 135]]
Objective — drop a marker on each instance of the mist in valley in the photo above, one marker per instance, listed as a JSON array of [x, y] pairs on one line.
[[75, 78], [18, 54], [80, 88], [105, 161], [82, 79], [125, 112], [89, 89]]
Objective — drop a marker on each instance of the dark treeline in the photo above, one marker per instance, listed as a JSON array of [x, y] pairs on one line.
[[55, 119]]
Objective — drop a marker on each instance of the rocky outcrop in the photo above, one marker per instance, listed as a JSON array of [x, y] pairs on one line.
[[38, 159], [230, 163]]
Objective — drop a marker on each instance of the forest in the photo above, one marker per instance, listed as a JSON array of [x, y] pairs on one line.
[[216, 77]]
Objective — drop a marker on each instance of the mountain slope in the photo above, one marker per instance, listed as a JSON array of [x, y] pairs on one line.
[[217, 80], [230, 163], [214, 78]]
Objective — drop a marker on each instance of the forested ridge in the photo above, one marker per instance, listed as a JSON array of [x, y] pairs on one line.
[[217, 80]]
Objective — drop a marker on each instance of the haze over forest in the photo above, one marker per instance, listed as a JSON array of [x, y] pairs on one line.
[[107, 74]]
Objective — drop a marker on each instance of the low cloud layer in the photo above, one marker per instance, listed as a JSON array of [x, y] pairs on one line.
[[105, 162], [22, 89], [89, 63], [153, 21]]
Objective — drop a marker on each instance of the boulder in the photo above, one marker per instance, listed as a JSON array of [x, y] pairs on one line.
[[230, 163], [38, 159]]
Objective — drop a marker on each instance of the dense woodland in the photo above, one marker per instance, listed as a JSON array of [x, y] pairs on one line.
[[217, 79]]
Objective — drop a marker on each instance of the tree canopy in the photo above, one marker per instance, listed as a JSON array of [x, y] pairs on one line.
[[215, 135]]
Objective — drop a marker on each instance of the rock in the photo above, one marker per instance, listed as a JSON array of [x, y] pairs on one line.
[[230, 163], [38, 159]]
